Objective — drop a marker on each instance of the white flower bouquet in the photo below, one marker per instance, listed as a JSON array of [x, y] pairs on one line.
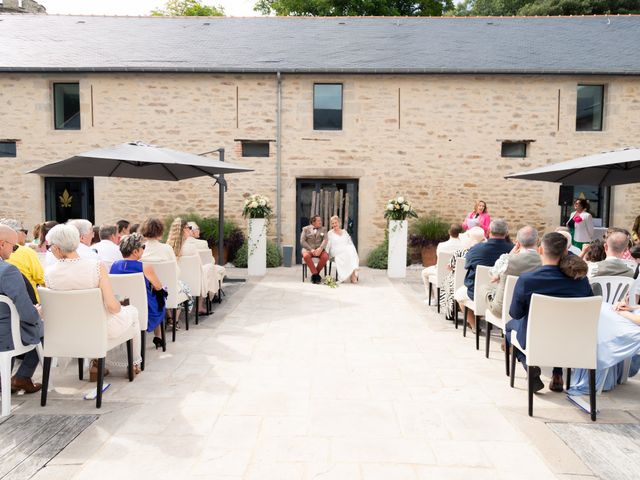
[[399, 209], [256, 206]]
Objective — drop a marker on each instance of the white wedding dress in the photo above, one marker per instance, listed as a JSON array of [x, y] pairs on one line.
[[343, 253]]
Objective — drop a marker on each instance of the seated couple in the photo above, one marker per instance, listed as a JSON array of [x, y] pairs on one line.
[[335, 244]]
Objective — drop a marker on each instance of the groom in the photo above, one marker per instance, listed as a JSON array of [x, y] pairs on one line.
[[313, 240]]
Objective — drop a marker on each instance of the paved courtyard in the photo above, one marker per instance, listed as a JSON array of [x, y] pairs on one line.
[[299, 381]]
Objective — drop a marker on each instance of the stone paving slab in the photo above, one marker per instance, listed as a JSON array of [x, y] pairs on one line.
[[299, 381]]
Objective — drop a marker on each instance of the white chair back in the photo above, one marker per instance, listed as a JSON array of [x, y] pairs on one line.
[[191, 272], [206, 257], [167, 272], [509, 286], [133, 287], [441, 266], [15, 326], [42, 256], [563, 332], [613, 289], [458, 277], [482, 282], [75, 323]]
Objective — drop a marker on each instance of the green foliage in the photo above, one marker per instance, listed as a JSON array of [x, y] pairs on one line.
[[188, 8], [379, 256], [546, 7], [274, 259], [345, 8], [429, 230]]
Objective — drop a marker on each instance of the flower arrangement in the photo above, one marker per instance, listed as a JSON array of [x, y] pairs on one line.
[[256, 206], [330, 282], [399, 209]]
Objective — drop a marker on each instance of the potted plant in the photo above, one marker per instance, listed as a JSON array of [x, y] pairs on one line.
[[426, 233], [397, 211]]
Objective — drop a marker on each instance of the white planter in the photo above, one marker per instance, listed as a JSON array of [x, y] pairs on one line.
[[397, 263], [257, 251]]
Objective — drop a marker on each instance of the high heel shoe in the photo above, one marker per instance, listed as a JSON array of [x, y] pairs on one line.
[[157, 341], [93, 371]]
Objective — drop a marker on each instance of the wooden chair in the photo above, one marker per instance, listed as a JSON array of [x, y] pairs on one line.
[[501, 321], [561, 332]]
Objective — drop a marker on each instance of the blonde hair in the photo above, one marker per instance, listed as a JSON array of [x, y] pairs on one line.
[[175, 239], [335, 217]]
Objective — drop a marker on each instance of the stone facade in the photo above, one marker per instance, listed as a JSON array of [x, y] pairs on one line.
[[433, 138], [21, 6]]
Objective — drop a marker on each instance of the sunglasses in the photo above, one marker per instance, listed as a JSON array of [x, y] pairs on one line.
[[14, 247], [26, 232]]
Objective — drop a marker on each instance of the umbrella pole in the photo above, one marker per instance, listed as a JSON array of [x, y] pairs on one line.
[[221, 185]]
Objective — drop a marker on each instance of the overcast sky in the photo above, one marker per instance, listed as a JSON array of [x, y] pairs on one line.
[[237, 8]]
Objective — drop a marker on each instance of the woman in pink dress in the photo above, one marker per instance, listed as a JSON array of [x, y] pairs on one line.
[[479, 217]]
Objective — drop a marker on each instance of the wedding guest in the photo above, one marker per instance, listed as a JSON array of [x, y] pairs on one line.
[[36, 236], [313, 240], [107, 247], [344, 254], [194, 239], [635, 231], [613, 264], [594, 251], [450, 245], [31, 327], [42, 240], [134, 228], [546, 280], [132, 248], [24, 258], [72, 272], [581, 223], [479, 217], [572, 249], [96, 235], [124, 228]]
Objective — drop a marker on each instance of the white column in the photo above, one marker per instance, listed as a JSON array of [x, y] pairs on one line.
[[397, 259], [257, 247]]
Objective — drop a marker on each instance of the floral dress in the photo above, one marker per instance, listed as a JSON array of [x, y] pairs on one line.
[[446, 294]]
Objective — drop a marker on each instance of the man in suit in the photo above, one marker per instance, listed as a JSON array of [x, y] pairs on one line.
[[31, 328], [546, 280], [523, 258], [314, 240], [615, 245]]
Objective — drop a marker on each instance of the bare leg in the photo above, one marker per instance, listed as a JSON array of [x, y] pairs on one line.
[[471, 319]]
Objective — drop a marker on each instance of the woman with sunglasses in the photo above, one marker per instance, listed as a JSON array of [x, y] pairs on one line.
[[132, 248]]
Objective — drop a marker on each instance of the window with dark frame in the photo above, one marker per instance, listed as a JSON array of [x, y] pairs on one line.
[[255, 149], [327, 106], [514, 149], [589, 107], [66, 106], [8, 148]]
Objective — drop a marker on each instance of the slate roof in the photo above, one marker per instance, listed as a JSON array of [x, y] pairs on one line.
[[492, 45]]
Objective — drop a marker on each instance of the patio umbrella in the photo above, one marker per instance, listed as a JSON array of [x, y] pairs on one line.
[[142, 161], [618, 167]]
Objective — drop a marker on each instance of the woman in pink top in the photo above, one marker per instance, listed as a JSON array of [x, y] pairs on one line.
[[478, 218]]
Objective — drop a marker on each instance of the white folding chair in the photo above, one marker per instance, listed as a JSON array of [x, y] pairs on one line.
[[479, 303], [191, 275], [5, 357], [501, 321], [441, 271], [76, 326], [133, 287], [613, 289], [167, 272], [561, 332], [458, 282]]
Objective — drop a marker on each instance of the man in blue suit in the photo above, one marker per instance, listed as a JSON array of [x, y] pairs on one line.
[[31, 329], [546, 280]]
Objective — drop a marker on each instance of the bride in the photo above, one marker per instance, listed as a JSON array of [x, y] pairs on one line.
[[341, 249]]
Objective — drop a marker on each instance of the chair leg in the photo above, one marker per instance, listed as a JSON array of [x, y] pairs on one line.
[[430, 288], [568, 378], [506, 360], [100, 382], [197, 310], [143, 348], [477, 331], [530, 388], [185, 306], [5, 374], [163, 335], [512, 373], [438, 299], [464, 322], [304, 271], [487, 339], [46, 371], [455, 313], [175, 321], [130, 359], [592, 393], [80, 368]]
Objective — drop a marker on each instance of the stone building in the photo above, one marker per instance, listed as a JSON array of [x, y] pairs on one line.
[[436, 109], [21, 6]]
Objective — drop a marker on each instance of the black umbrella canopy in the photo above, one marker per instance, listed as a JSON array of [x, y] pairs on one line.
[[604, 169], [139, 160]]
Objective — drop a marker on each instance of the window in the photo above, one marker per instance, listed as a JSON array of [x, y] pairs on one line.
[[514, 149], [7, 148], [255, 149], [589, 108], [327, 106], [66, 105]]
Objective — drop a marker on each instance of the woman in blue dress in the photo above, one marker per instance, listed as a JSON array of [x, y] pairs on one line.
[[132, 248]]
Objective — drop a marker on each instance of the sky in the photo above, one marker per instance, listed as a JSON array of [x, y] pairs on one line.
[[236, 8]]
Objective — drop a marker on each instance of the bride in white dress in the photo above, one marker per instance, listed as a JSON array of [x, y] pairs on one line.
[[343, 252]]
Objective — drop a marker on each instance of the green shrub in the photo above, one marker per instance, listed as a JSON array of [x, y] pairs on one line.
[[379, 256], [233, 236], [274, 259], [426, 231]]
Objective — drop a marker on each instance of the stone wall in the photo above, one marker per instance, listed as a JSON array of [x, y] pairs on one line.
[[21, 6], [434, 139]]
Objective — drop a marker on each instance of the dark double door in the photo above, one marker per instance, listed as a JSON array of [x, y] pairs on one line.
[[326, 197], [68, 198]]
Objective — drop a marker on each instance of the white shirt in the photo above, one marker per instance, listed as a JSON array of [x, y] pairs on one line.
[[108, 251], [449, 246]]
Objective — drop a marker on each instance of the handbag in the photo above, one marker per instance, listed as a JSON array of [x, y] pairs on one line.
[[161, 297]]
